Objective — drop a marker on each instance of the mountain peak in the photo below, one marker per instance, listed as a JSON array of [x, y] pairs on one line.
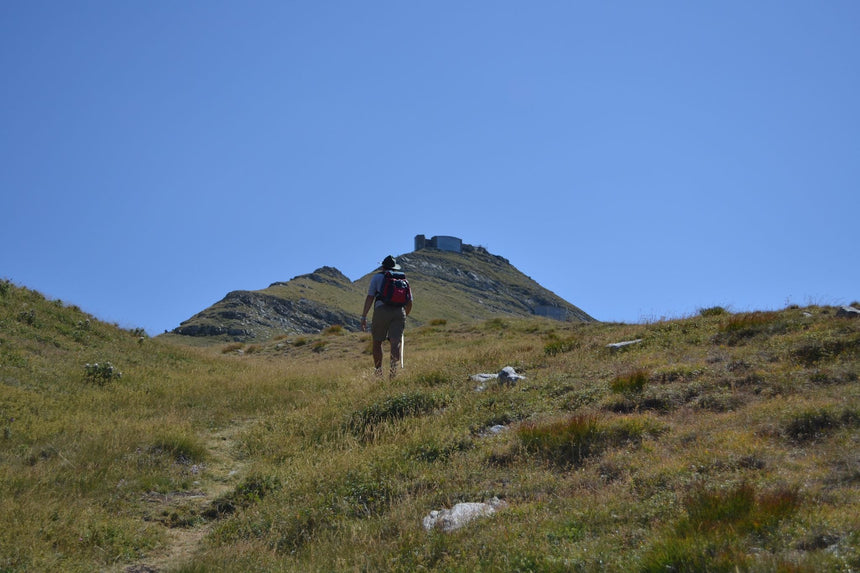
[[450, 280]]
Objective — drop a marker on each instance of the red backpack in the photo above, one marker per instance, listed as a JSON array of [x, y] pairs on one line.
[[395, 289]]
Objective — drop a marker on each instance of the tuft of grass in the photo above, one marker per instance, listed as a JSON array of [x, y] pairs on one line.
[[433, 378], [631, 383], [712, 536], [334, 330], [739, 328], [555, 347], [363, 422], [570, 441], [183, 449], [250, 491]]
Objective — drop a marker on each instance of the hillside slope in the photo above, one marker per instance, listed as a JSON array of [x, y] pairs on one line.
[[472, 285], [719, 442]]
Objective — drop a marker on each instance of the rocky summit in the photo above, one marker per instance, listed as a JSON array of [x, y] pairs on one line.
[[463, 285]]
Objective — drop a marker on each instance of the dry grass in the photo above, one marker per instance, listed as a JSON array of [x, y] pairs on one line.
[[720, 441]]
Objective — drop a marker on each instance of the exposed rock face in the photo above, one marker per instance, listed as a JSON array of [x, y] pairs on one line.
[[247, 314]]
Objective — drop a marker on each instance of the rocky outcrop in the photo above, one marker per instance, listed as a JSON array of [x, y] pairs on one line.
[[247, 314], [323, 275]]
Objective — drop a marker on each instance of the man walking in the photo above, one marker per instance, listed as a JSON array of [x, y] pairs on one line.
[[391, 298]]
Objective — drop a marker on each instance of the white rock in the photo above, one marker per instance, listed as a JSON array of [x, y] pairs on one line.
[[461, 514], [848, 312], [615, 346], [509, 376]]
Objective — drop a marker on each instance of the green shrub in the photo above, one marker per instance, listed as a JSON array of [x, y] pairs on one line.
[[817, 424], [27, 317], [438, 322], [713, 311], [814, 350], [433, 451], [252, 490], [101, 372]]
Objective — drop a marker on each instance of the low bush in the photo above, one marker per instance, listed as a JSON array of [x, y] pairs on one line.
[[252, 490], [815, 350], [813, 425], [713, 311], [364, 421], [101, 372]]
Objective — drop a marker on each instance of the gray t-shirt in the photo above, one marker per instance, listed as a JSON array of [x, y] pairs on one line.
[[376, 287]]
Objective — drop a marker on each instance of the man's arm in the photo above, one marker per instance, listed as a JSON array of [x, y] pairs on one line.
[[368, 302]]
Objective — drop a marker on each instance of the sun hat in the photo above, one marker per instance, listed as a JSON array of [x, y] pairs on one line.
[[390, 263]]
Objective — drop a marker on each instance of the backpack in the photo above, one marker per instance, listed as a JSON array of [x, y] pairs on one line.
[[395, 289]]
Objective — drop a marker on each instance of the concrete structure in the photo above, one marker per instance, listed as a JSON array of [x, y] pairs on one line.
[[441, 242]]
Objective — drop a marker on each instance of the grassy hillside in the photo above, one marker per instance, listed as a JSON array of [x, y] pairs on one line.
[[719, 442]]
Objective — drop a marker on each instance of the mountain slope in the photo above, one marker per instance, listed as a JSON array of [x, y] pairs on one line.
[[718, 442], [471, 285]]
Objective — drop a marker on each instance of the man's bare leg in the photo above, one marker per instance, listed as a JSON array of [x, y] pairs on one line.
[[377, 357], [395, 356]]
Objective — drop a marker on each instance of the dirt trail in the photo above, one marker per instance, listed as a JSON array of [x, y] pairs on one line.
[[182, 512]]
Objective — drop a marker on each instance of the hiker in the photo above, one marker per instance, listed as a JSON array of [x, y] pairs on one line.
[[391, 298]]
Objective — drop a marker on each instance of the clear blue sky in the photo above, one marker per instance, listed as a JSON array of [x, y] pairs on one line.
[[640, 159]]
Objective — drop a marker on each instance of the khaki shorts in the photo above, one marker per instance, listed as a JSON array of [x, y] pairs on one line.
[[388, 322]]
